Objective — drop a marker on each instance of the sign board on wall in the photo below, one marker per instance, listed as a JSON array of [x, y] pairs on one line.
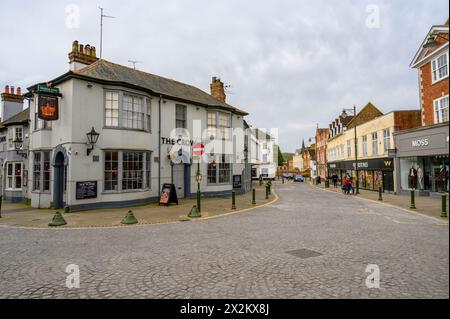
[[86, 190], [48, 107]]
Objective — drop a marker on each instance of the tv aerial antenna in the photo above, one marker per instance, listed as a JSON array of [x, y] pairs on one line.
[[101, 28], [134, 62]]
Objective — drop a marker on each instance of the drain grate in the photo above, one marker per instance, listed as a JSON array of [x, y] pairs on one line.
[[304, 253]]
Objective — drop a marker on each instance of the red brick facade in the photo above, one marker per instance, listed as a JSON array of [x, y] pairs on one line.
[[430, 92]]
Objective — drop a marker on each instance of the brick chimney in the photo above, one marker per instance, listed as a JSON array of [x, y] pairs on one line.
[[217, 89], [11, 102], [81, 56]]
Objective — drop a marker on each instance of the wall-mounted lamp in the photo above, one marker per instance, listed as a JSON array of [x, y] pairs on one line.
[[18, 144], [92, 137]]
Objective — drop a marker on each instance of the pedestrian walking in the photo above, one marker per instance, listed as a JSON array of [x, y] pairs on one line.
[[335, 180]]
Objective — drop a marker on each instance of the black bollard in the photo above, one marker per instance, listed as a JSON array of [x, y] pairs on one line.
[[413, 200], [380, 194]]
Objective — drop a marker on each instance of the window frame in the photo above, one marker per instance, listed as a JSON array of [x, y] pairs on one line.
[[374, 143], [218, 169], [184, 119], [364, 146], [13, 176], [39, 184], [386, 146], [438, 109], [146, 171], [435, 74], [145, 108], [215, 130]]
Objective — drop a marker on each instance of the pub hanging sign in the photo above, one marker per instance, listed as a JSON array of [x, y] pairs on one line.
[[48, 107]]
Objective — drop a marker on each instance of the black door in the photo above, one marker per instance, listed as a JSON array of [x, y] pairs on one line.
[[58, 182]]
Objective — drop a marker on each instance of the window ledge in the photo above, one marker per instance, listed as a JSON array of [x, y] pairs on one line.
[[125, 192]]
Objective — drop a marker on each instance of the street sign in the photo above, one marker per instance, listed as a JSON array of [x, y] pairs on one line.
[[42, 88], [198, 149]]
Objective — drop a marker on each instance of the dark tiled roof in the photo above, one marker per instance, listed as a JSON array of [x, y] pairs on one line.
[[107, 71], [21, 117]]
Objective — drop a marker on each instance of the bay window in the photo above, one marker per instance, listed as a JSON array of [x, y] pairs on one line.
[[128, 111], [219, 124]]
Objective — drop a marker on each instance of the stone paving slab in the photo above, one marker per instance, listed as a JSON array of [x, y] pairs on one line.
[[24, 216], [427, 205]]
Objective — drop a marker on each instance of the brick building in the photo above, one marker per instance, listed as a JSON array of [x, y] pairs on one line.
[[422, 153], [322, 135]]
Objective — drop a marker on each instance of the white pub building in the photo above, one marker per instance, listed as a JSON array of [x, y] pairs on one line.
[[103, 135]]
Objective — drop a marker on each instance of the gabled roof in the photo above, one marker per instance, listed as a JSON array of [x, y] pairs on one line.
[[368, 113], [19, 118], [423, 54], [106, 72]]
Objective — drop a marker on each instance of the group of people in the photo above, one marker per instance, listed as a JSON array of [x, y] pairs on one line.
[[347, 185]]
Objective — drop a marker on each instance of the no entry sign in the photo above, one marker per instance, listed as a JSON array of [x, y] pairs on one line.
[[198, 149]]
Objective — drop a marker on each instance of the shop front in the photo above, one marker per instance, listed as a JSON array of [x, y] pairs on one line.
[[422, 157], [372, 173]]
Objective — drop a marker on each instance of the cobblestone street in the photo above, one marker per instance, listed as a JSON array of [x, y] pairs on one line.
[[248, 255]]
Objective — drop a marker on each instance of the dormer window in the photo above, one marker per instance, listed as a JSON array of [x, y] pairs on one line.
[[439, 67]]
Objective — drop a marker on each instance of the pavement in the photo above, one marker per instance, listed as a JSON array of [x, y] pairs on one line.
[[21, 215], [427, 205], [310, 243]]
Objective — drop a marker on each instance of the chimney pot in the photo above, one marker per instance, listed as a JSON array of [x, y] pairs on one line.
[[87, 49], [81, 48], [6, 89], [19, 91], [93, 52], [75, 46], [11, 91]]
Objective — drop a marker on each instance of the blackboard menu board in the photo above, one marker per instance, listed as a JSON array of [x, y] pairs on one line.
[[86, 190]]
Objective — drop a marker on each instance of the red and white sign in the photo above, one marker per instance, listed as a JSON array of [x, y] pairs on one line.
[[198, 149]]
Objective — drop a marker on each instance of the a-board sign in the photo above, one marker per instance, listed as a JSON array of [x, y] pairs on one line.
[[168, 195], [86, 190]]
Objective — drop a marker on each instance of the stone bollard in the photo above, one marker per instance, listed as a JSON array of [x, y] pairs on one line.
[[444, 206], [57, 220], [413, 200], [233, 200], [129, 219], [195, 213], [380, 194], [267, 192], [253, 196]]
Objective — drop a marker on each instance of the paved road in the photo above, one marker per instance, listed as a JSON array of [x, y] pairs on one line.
[[239, 256]]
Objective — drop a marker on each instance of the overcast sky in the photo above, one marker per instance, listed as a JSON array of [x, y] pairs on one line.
[[291, 64]]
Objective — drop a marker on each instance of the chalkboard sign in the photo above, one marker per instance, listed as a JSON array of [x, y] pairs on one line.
[[86, 190], [237, 181], [168, 195]]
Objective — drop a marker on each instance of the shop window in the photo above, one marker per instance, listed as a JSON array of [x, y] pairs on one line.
[[132, 170], [14, 176], [441, 110], [180, 116], [440, 67], [219, 172], [126, 170], [375, 143], [111, 171]]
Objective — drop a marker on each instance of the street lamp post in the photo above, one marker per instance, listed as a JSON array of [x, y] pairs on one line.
[[356, 150]]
